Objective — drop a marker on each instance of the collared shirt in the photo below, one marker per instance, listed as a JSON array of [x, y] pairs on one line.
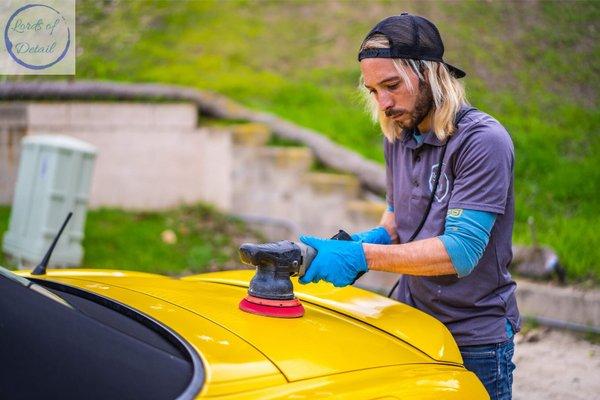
[[477, 174]]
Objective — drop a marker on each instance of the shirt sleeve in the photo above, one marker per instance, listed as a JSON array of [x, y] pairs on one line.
[[466, 235], [483, 170]]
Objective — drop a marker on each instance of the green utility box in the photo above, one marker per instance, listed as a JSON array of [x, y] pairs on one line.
[[54, 178]]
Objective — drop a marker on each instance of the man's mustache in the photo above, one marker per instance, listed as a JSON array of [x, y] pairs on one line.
[[393, 112]]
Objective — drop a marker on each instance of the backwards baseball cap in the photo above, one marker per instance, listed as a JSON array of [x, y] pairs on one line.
[[410, 36]]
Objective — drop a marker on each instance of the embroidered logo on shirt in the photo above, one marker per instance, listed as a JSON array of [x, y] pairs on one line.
[[455, 212], [442, 189]]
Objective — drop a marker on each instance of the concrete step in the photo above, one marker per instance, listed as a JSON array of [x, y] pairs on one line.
[[364, 214], [325, 183], [294, 158], [267, 161], [276, 182], [323, 197], [267, 180], [552, 302], [251, 134]]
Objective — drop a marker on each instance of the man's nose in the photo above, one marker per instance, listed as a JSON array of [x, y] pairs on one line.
[[385, 101]]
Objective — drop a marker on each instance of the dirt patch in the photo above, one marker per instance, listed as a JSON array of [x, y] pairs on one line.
[[555, 365]]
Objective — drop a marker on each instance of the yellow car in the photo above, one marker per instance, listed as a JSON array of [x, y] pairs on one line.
[[87, 333]]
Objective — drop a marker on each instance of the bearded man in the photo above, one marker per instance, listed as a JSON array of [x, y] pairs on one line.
[[450, 204]]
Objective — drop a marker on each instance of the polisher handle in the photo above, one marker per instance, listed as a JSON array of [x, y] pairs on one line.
[[343, 235], [309, 253]]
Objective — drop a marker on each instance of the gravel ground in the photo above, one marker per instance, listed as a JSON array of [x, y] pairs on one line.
[[554, 364]]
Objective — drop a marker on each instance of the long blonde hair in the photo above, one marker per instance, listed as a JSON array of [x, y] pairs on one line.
[[447, 91]]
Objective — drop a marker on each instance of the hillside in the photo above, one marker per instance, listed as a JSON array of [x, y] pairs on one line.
[[532, 65]]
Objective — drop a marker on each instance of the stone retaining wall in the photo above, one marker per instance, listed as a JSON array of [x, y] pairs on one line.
[[541, 300], [153, 156]]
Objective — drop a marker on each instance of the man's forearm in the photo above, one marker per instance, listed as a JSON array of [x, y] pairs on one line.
[[426, 257]]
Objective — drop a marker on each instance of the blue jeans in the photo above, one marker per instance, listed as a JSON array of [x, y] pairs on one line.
[[492, 363]]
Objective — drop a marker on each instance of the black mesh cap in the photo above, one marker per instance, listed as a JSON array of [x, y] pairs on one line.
[[410, 36]]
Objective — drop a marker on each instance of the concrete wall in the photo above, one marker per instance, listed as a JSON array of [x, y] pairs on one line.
[[154, 156], [151, 156]]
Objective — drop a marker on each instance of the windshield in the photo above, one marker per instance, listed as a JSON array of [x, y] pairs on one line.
[[33, 286], [52, 327]]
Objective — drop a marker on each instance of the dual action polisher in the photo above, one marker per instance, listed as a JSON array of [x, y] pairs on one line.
[[271, 292]]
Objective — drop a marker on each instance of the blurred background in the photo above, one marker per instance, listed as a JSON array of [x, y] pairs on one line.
[[532, 65]]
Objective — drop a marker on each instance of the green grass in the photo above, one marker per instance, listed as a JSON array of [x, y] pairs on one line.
[[532, 65], [205, 240], [592, 337], [4, 219]]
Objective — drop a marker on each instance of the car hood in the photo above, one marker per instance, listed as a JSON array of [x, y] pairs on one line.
[[343, 329]]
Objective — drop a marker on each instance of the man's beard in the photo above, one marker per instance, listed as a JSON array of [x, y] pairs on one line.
[[423, 105]]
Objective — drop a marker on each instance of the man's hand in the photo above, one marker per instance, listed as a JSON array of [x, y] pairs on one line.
[[338, 261], [378, 235]]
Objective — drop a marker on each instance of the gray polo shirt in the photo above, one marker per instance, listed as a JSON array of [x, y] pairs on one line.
[[477, 174]]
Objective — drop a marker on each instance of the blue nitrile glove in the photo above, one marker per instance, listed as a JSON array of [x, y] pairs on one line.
[[337, 261], [377, 235]]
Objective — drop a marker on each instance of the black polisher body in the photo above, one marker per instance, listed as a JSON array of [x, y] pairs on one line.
[[275, 263]]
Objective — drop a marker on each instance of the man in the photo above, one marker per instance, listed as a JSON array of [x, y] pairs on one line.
[[450, 205]]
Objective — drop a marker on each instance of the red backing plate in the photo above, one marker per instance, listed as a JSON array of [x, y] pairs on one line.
[[275, 303], [293, 311]]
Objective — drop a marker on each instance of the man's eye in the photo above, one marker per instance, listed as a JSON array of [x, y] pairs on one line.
[[372, 91], [394, 86]]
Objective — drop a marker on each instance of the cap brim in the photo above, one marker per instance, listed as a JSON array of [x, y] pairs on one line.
[[455, 72]]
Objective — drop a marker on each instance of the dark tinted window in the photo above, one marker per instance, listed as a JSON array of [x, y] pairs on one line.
[[90, 351]]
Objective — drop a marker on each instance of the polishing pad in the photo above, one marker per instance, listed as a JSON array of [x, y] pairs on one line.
[[272, 308]]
